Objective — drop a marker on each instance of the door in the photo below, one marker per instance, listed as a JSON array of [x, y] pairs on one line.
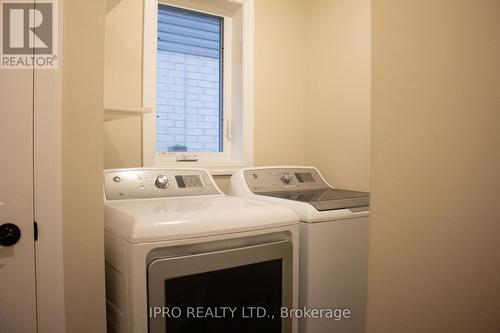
[[235, 290], [17, 259]]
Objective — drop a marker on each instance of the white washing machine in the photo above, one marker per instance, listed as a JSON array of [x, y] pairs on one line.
[[183, 257], [333, 242]]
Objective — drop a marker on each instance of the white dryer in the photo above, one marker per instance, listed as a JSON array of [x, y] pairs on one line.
[[183, 257], [333, 242]]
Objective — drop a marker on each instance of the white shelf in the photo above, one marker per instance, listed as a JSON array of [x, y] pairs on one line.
[[116, 112]]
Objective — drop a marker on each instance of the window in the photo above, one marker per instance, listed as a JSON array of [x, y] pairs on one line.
[[198, 79], [189, 85]]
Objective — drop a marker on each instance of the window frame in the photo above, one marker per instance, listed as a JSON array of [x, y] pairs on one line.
[[236, 153]]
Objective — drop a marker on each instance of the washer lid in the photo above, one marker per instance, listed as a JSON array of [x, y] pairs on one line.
[[159, 219], [325, 199]]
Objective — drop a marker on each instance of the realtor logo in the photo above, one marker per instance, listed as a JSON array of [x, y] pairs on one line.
[[29, 34]]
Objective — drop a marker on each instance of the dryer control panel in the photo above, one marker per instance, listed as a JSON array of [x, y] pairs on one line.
[[284, 179], [157, 183]]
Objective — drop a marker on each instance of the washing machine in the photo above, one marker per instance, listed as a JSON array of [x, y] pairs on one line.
[[333, 242], [183, 257]]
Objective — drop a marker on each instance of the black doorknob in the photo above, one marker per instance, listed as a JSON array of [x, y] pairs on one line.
[[9, 234]]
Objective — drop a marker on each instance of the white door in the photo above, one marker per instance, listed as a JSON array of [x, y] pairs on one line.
[[17, 261]]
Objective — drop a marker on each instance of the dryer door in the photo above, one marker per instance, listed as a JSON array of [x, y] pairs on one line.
[[234, 290]]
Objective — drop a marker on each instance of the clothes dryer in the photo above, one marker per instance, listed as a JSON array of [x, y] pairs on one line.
[[183, 257]]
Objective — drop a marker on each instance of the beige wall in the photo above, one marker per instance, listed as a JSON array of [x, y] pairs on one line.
[[312, 97], [83, 230], [123, 82], [280, 82], [435, 228], [338, 90]]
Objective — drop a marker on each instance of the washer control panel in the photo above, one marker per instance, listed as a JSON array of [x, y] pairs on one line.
[[283, 179], [157, 183]]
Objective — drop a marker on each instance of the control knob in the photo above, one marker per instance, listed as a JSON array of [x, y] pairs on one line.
[[161, 181], [286, 178]]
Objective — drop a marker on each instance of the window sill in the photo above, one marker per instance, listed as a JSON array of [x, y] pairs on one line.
[[215, 168]]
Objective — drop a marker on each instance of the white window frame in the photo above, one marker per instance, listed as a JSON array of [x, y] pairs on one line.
[[238, 121]]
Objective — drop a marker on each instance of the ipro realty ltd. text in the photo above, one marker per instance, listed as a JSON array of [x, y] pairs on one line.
[[222, 312]]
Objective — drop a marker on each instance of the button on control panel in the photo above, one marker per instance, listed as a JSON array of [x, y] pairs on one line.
[[283, 179], [157, 183]]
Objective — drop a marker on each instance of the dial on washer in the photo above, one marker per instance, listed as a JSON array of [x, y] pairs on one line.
[[161, 181], [286, 178]]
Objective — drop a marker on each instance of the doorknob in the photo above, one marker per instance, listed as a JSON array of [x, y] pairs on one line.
[[9, 234]]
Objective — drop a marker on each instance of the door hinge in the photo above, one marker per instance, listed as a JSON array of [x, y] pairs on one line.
[[35, 230]]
